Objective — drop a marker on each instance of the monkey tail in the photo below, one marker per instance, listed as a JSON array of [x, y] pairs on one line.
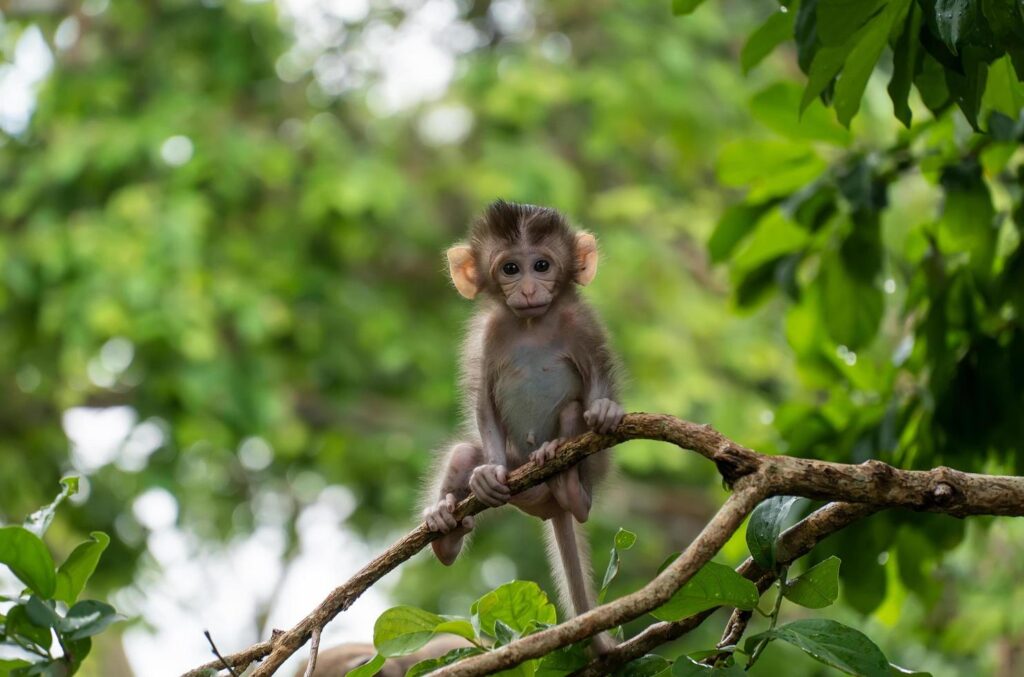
[[569, 553]]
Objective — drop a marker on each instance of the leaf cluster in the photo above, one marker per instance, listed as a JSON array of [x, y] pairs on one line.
[[48, 608]]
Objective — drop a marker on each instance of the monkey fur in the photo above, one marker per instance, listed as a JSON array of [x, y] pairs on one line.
[[536, 370]]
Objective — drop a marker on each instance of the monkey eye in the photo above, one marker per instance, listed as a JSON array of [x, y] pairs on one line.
[[510, 268], [541, 266]]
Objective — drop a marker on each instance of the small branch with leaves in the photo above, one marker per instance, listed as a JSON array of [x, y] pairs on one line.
[[855, 490]]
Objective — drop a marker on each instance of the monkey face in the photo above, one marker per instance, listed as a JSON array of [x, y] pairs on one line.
[[528, 278]]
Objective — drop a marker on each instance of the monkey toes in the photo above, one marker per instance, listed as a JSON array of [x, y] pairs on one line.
[[490, 484], [441, 517], [604, 415], [546, 452]]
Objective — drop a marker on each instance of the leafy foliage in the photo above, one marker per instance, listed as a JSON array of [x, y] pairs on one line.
[[281, 286], [34, 618]]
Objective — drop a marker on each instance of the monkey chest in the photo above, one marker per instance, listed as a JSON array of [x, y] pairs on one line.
[[530, 391]]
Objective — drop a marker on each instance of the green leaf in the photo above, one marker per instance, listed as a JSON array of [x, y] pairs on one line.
[[831, 643], [862, 59], [8, 665], [76, 570], [851, 304], [805, 34], [714, 585], [645, 666], [906, 63], [518, 604], [77, 651], [827, 63], [777, 107], [42, 613], [403, 629], [503, 634], [736, 223], [683, 7], [769, 35], [951, 18], [766, 523], [370, 668], [1003, 92], [456, 626], [26, 556], [931, 84], [429, 665], [816, 588], [563, 661], [687, 667], [968, 87], [838, 20], [897, 671], [39, 521], [21, 629], [87, 618], [623, 540], [745, 160], [776, 235], [968, 218]]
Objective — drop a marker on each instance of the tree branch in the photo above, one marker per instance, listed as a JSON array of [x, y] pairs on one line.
[[754, 476], [793, 543], [707, 543]]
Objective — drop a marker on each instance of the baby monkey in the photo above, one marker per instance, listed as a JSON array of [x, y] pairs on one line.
[[536, 370]]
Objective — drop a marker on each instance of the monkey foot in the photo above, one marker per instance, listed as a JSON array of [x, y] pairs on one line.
[[604, 415], [546, 451], [441, 517]]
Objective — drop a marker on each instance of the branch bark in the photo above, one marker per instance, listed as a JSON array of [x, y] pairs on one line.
[[753, 476]]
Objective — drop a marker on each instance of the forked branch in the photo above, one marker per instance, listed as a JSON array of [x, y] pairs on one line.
[[753, 476]]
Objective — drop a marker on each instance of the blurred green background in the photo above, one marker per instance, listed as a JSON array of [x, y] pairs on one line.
[[223, 299]]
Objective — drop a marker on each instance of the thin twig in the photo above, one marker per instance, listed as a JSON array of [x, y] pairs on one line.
[[314, 648], [794, 543], [216, 653]]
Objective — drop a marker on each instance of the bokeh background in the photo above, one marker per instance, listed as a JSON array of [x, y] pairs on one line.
[[223, 303]]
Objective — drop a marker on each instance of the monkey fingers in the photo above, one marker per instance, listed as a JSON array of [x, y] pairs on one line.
[[489, 483]]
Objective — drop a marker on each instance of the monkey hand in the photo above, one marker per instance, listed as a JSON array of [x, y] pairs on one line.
[[490, 484], [546, 452], [440, 517], [604, 415]]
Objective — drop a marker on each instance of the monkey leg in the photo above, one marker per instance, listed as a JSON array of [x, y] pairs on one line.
[[570, 488], [454, 487]]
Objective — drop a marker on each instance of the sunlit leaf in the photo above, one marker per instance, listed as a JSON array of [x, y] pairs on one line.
[[831, 643], [714, 585], [27, 557], [518, 604], [816, 588], [74, 573]]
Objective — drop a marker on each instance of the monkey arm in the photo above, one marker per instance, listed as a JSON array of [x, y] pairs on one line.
[[492, 435], [602, 411]]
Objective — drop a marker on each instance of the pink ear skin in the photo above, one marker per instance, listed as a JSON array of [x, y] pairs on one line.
[[462, 268], [586, 258]]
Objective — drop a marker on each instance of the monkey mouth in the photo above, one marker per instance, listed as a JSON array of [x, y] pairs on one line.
[[530, 311]]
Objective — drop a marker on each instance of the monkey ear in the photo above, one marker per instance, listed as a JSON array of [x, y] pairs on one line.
[[586, 258], [462, 268]]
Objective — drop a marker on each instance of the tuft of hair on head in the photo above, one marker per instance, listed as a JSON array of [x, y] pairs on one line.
[[513, 222]]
